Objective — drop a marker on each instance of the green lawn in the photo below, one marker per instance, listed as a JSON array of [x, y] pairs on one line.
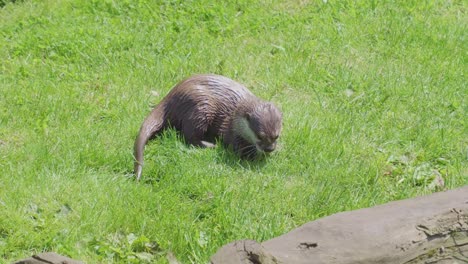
[[374, 97]]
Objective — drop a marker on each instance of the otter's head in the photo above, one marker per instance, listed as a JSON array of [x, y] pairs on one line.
[[262, 126]]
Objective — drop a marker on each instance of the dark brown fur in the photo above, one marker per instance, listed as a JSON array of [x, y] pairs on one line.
[[206, 107]]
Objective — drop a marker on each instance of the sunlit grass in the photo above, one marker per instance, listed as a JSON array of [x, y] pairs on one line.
[[373, 96]]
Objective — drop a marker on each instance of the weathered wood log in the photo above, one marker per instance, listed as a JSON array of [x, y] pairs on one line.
[[427, 229], [48, 258]]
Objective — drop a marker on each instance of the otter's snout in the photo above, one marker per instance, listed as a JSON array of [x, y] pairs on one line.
[[267, 148]]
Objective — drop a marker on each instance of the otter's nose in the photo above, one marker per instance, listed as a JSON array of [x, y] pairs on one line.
[[269, 148]]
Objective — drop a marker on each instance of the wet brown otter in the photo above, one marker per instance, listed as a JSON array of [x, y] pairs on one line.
[[206, 107]]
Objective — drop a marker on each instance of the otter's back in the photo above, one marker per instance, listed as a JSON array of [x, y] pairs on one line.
[[205, 102]]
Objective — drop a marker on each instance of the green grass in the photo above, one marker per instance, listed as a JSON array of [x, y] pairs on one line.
[[373, 93]]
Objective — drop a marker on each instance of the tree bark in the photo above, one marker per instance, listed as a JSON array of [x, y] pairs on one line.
[[428, 229]]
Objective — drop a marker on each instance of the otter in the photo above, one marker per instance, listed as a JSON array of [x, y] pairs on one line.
[[208, 107]]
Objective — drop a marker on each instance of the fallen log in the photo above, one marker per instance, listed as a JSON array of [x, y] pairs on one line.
[[48, 258], [427, 229]]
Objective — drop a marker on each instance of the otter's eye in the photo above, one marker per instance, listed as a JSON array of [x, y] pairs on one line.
[[275, 138], [261, 135]]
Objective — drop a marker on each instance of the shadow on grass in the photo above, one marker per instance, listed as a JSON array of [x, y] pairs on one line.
[[172, 149], [229, 158]]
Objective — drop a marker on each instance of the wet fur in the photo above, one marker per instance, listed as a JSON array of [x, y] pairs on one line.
[[206, 107]]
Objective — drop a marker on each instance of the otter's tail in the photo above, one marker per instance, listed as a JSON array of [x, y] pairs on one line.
[[153, 124]]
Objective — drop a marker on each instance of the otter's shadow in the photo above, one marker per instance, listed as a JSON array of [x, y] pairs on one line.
[[228, 157]]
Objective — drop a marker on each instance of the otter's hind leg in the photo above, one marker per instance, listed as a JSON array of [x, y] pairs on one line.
[[196, 135]]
